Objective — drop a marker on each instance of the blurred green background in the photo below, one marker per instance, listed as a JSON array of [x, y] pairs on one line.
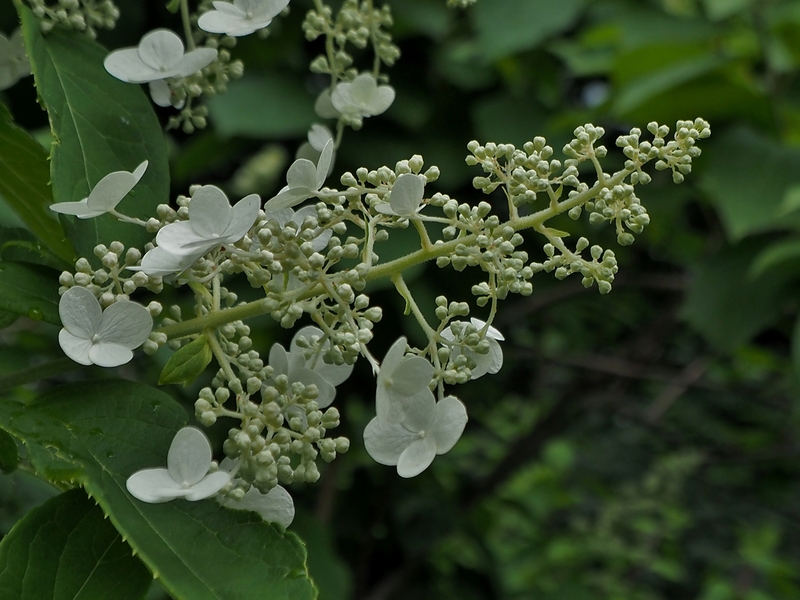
[[636, 446]]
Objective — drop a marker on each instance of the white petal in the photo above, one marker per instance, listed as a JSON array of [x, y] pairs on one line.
[[126, 66], [420, 411], [324, 107], [448, 424], [110, 190], [327, 392], [279, 359], [160, 49], [385, 442], [193, 62], [406, 195], [413, 374], [276, 506], [243, 214], [107, 354], [209, 211], [302, 174], [318, 136], [160, 92], [138, 172], [393, 357], [324, 164], [287, 198], [333, 374], [189, 456], [208, 486], [159, 262], [80, 312], [76, 348], [125, 323], [180, 239], [491, 332], [381, 100], [416, 458], [79, 209], [154, 486]]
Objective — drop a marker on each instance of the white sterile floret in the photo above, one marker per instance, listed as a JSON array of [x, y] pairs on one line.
[[362, 97], [276, 506], [400, 380], [242, 17], [160, 55], [405, 199], [485, 363], [105, 196], [318, 136], [304, 179], [186, 475], [428, 428], [14, 64], [311, 370], [162, 95], [212, 222], [93, 336], [284, 216]]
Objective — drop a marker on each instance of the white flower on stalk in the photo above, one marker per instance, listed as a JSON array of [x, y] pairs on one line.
[[212, 222], [400, 380], [362, 97], [105, 196], [241, 17], [304, 179], [312, 370], [284, 216], [428, 428], [14, 63], [318, 135], [186, 475], [490, 362], [276, 506], [160, 55], [405, 199], [93, 336]]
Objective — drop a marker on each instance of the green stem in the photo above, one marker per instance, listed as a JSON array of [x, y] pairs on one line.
[[37, 372], [187, 26]]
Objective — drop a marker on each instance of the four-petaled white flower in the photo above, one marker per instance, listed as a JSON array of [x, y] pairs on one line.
[[276, 506], [212, 222], [401, 380], [405, 199], [186, 475], [491, 362], [304, 179], [362, 97], [14, 64], [242, 17], [105, 196], [313, 369], [160, 55], [427, 429], [93, 336]]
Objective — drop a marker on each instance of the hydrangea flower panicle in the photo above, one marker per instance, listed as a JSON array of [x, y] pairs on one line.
[[105, 196], [14, 63], [362, 97], [285, 216], [93, 336], [400, 379], [212, 222], [160, 55], [485, 363], [240, 17], [186, 475], [427, 429], [304, 179]]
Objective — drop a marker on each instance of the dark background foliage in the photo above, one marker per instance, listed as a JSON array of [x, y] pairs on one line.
[[640, 445]]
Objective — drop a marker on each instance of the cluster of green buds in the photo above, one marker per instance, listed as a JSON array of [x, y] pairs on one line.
[[81, 15]]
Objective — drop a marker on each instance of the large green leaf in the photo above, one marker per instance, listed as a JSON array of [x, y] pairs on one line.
[[199, 550], [67, 550], [29, 290], [24, 184], [20, 245], [100, 125], [506, 27]]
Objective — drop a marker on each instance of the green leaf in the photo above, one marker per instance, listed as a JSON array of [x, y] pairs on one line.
[[20, 245], [108, 431], [726, 305], [187, 363], [24, 184], [29, 290], [9, 455], [506, 27], [100, 125], [7, 318], [775, 255], [748, 185], [263, 105], [67, 550]]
